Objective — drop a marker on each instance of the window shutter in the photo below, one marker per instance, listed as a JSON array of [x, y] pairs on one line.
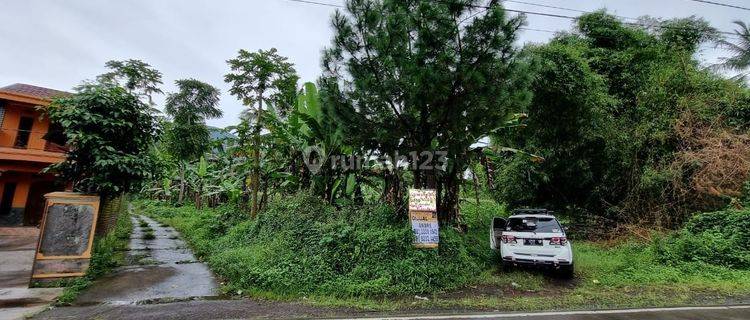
[[2, 113]]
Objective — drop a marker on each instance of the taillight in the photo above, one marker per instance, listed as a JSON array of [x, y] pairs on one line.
[[558, 241], [507, 239]]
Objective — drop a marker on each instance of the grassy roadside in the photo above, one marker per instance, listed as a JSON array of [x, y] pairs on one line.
[[108, 253], [607, 276], [625, 276]]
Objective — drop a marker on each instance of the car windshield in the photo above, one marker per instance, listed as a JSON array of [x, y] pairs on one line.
[[532, 224]]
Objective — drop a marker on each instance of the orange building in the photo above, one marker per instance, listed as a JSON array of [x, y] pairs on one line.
[[28, 144]]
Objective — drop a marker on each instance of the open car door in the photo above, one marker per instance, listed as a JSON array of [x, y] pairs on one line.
[[496, 230]]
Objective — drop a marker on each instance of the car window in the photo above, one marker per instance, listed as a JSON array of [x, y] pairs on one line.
[[531, 224]]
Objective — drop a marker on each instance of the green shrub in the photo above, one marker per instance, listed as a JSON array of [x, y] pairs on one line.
[[301, 245], [720, 238]]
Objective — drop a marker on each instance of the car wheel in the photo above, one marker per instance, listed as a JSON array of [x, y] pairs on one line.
[[507, 266], [566, 272]]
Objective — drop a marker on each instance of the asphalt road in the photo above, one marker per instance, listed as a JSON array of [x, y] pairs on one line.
[[247, 309], [698, 313]]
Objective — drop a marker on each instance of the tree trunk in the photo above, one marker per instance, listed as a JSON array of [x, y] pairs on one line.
[[475, 180], [181, 196], [489, 171], [392, 191], [448, 204], [198, 196], [264, 197], [256, 158]]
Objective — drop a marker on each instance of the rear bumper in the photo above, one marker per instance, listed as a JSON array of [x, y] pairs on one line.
[[529, 261], [518, 256]]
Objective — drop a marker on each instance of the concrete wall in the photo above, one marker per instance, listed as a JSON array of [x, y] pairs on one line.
[[22, 165], [13, 113], [22, 209]]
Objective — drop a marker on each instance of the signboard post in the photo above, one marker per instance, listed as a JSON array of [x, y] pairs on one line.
[[66, 236], [423, 217]]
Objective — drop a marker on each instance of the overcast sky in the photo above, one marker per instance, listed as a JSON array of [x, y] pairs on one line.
[[57, 44]]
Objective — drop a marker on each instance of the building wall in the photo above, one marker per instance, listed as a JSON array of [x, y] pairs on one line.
[[23, 182], [24, 169], [23, 209], [13, 113]]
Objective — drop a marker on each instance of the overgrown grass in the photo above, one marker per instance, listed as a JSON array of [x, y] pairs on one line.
[[302, 246], [362, 257], [718, 238], [107, 254], [624, 276]]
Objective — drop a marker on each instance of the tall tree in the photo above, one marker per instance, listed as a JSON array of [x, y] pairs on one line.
[[138, 77], [188, 137], [110, 132], [423, 76], [616, 113], [258, 77], [741, 51]]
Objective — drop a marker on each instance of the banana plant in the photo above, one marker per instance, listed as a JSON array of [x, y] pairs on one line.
[[308, 127]]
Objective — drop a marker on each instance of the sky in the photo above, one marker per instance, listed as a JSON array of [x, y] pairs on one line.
[[58, 44]]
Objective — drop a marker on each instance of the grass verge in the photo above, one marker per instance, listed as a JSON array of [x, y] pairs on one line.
[[254, 263]]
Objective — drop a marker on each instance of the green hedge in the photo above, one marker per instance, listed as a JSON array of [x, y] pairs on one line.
[[720, 238]]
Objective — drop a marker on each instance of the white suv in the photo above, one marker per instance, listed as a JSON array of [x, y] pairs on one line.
[[532, 237]]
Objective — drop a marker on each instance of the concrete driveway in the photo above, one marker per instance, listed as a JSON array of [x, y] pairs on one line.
[[162, 268], [17, 248]]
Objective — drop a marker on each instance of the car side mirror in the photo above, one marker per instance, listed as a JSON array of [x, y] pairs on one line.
[[565, 228]]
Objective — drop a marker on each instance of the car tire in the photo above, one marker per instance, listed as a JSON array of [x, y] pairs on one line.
[[566, 272], [507, 266]]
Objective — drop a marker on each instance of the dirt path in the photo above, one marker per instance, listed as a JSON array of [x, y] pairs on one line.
[[162, 268]]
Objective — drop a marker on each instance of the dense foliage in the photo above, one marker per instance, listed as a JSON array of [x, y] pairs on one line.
[[631, 128], [110, 132], [257, 78], [187, 137], [301, 245], [136, 76], [423, 76], [720, 238]]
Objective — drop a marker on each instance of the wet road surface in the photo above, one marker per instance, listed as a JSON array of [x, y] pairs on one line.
[[158, 268], [17, 248]]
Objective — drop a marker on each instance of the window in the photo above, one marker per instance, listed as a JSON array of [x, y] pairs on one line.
[[56, 140], [24, 132], [2, 112], [532, 224]]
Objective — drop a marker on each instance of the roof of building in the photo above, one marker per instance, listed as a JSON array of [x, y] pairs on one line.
[[29, 91]]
